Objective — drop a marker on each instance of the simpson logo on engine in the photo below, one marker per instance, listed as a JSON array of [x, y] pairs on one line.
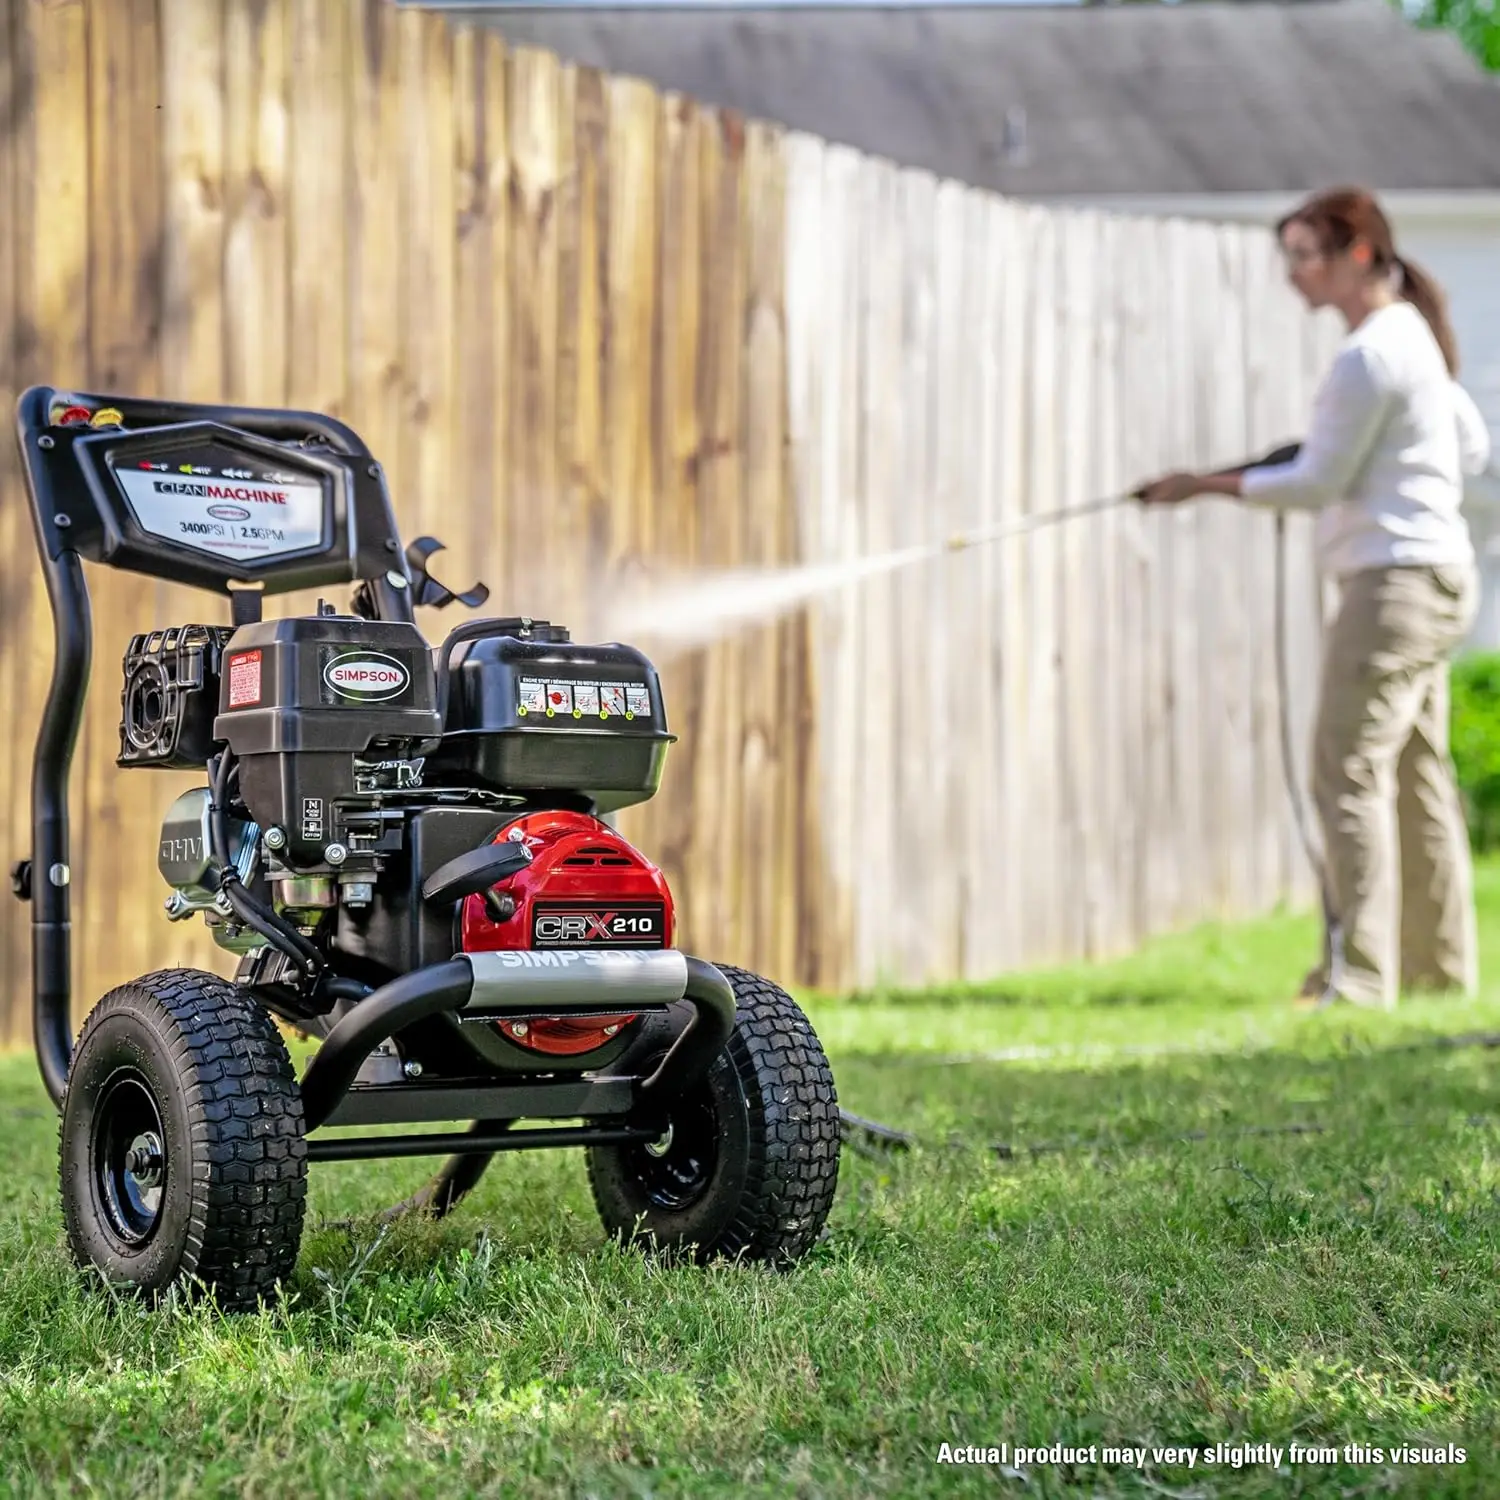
[[365, 676], [619, 924]]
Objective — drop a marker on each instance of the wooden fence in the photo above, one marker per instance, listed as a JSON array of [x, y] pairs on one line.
[[590, 328], [1064, 742]]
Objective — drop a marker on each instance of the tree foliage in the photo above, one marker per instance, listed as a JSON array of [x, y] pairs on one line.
[[1476, 23], [1475, 739]]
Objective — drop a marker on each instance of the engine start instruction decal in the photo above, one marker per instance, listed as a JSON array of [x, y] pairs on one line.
[[545, 699], [225, 512]]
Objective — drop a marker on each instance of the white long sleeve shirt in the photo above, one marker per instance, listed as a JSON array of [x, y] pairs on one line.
[[1383, 463]]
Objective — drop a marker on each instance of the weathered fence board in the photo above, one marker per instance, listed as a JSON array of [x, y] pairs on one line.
[[979, 915], [1077, 604], [632, 212], [1048, 857], [15, 529], [715, 868], [126, 215], [1110, 609], [1010, 869], [763, 746], [49, 144]]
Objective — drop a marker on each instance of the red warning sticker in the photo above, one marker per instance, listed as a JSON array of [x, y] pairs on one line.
[[244, 679]]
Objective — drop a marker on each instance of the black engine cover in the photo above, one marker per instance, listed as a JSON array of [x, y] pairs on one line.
[[399, 931], [301, 698]]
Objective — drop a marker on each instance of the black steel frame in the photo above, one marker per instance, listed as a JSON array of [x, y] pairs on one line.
[[478, 1143], [329, 1080]]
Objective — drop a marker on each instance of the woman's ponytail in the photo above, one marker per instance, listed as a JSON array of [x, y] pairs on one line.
[[1418, 288]]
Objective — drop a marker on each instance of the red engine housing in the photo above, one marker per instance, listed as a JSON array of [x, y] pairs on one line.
[[586, 887]]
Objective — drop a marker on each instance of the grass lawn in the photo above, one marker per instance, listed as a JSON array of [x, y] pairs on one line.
[[1150, 1205]]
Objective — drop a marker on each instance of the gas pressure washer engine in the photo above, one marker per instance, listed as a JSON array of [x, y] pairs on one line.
[[406, 849]]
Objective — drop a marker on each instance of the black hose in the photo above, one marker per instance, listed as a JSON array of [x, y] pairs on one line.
[[339, 988], [1333, 932], [457, 1177], [274, 928]]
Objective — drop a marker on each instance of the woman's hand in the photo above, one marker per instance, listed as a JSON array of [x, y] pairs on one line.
[[1170, 489]]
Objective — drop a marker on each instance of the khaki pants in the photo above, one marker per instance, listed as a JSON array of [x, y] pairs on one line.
[[1384, 785]]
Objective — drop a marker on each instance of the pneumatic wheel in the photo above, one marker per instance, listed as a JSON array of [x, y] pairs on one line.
[[183, 1158], [748, 1159]]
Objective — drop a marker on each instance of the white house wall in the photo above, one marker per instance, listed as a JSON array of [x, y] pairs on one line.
[[1465, 258]]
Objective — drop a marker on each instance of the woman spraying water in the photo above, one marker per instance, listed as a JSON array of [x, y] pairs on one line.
[[1391, 437]]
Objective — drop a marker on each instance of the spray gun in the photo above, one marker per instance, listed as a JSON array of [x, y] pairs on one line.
[[962, 540]]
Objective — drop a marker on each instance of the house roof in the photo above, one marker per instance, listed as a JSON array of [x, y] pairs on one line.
[[1208, 97]]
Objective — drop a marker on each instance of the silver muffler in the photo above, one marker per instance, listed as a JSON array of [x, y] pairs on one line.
[[598, 977]]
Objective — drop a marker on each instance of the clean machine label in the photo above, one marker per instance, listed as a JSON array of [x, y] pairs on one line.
[[244, 519]]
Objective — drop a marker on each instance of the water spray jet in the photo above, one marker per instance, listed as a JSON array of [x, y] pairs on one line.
[[683, 612]]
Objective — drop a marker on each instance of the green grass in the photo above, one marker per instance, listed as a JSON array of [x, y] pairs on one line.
[[1209, 1219]]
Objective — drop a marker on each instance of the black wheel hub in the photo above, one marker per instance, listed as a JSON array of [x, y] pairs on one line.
[[675, 1169], [130, 1156]]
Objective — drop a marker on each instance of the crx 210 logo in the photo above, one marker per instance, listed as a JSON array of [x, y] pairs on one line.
[[637, 927]]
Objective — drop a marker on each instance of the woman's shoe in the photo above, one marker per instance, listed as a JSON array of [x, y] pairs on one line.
[[1316, 992]]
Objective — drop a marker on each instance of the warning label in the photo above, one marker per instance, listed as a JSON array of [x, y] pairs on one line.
[[244, 679]]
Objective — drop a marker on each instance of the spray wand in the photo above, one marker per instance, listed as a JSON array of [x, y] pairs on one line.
[[962, 540]]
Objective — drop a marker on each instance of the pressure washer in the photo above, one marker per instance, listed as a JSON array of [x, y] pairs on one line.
[[404, 847]]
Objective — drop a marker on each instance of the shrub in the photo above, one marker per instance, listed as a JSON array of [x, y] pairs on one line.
[[1476, 743]]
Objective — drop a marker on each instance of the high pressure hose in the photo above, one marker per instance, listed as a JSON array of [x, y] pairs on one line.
[[271, 926], [1333, 932]]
